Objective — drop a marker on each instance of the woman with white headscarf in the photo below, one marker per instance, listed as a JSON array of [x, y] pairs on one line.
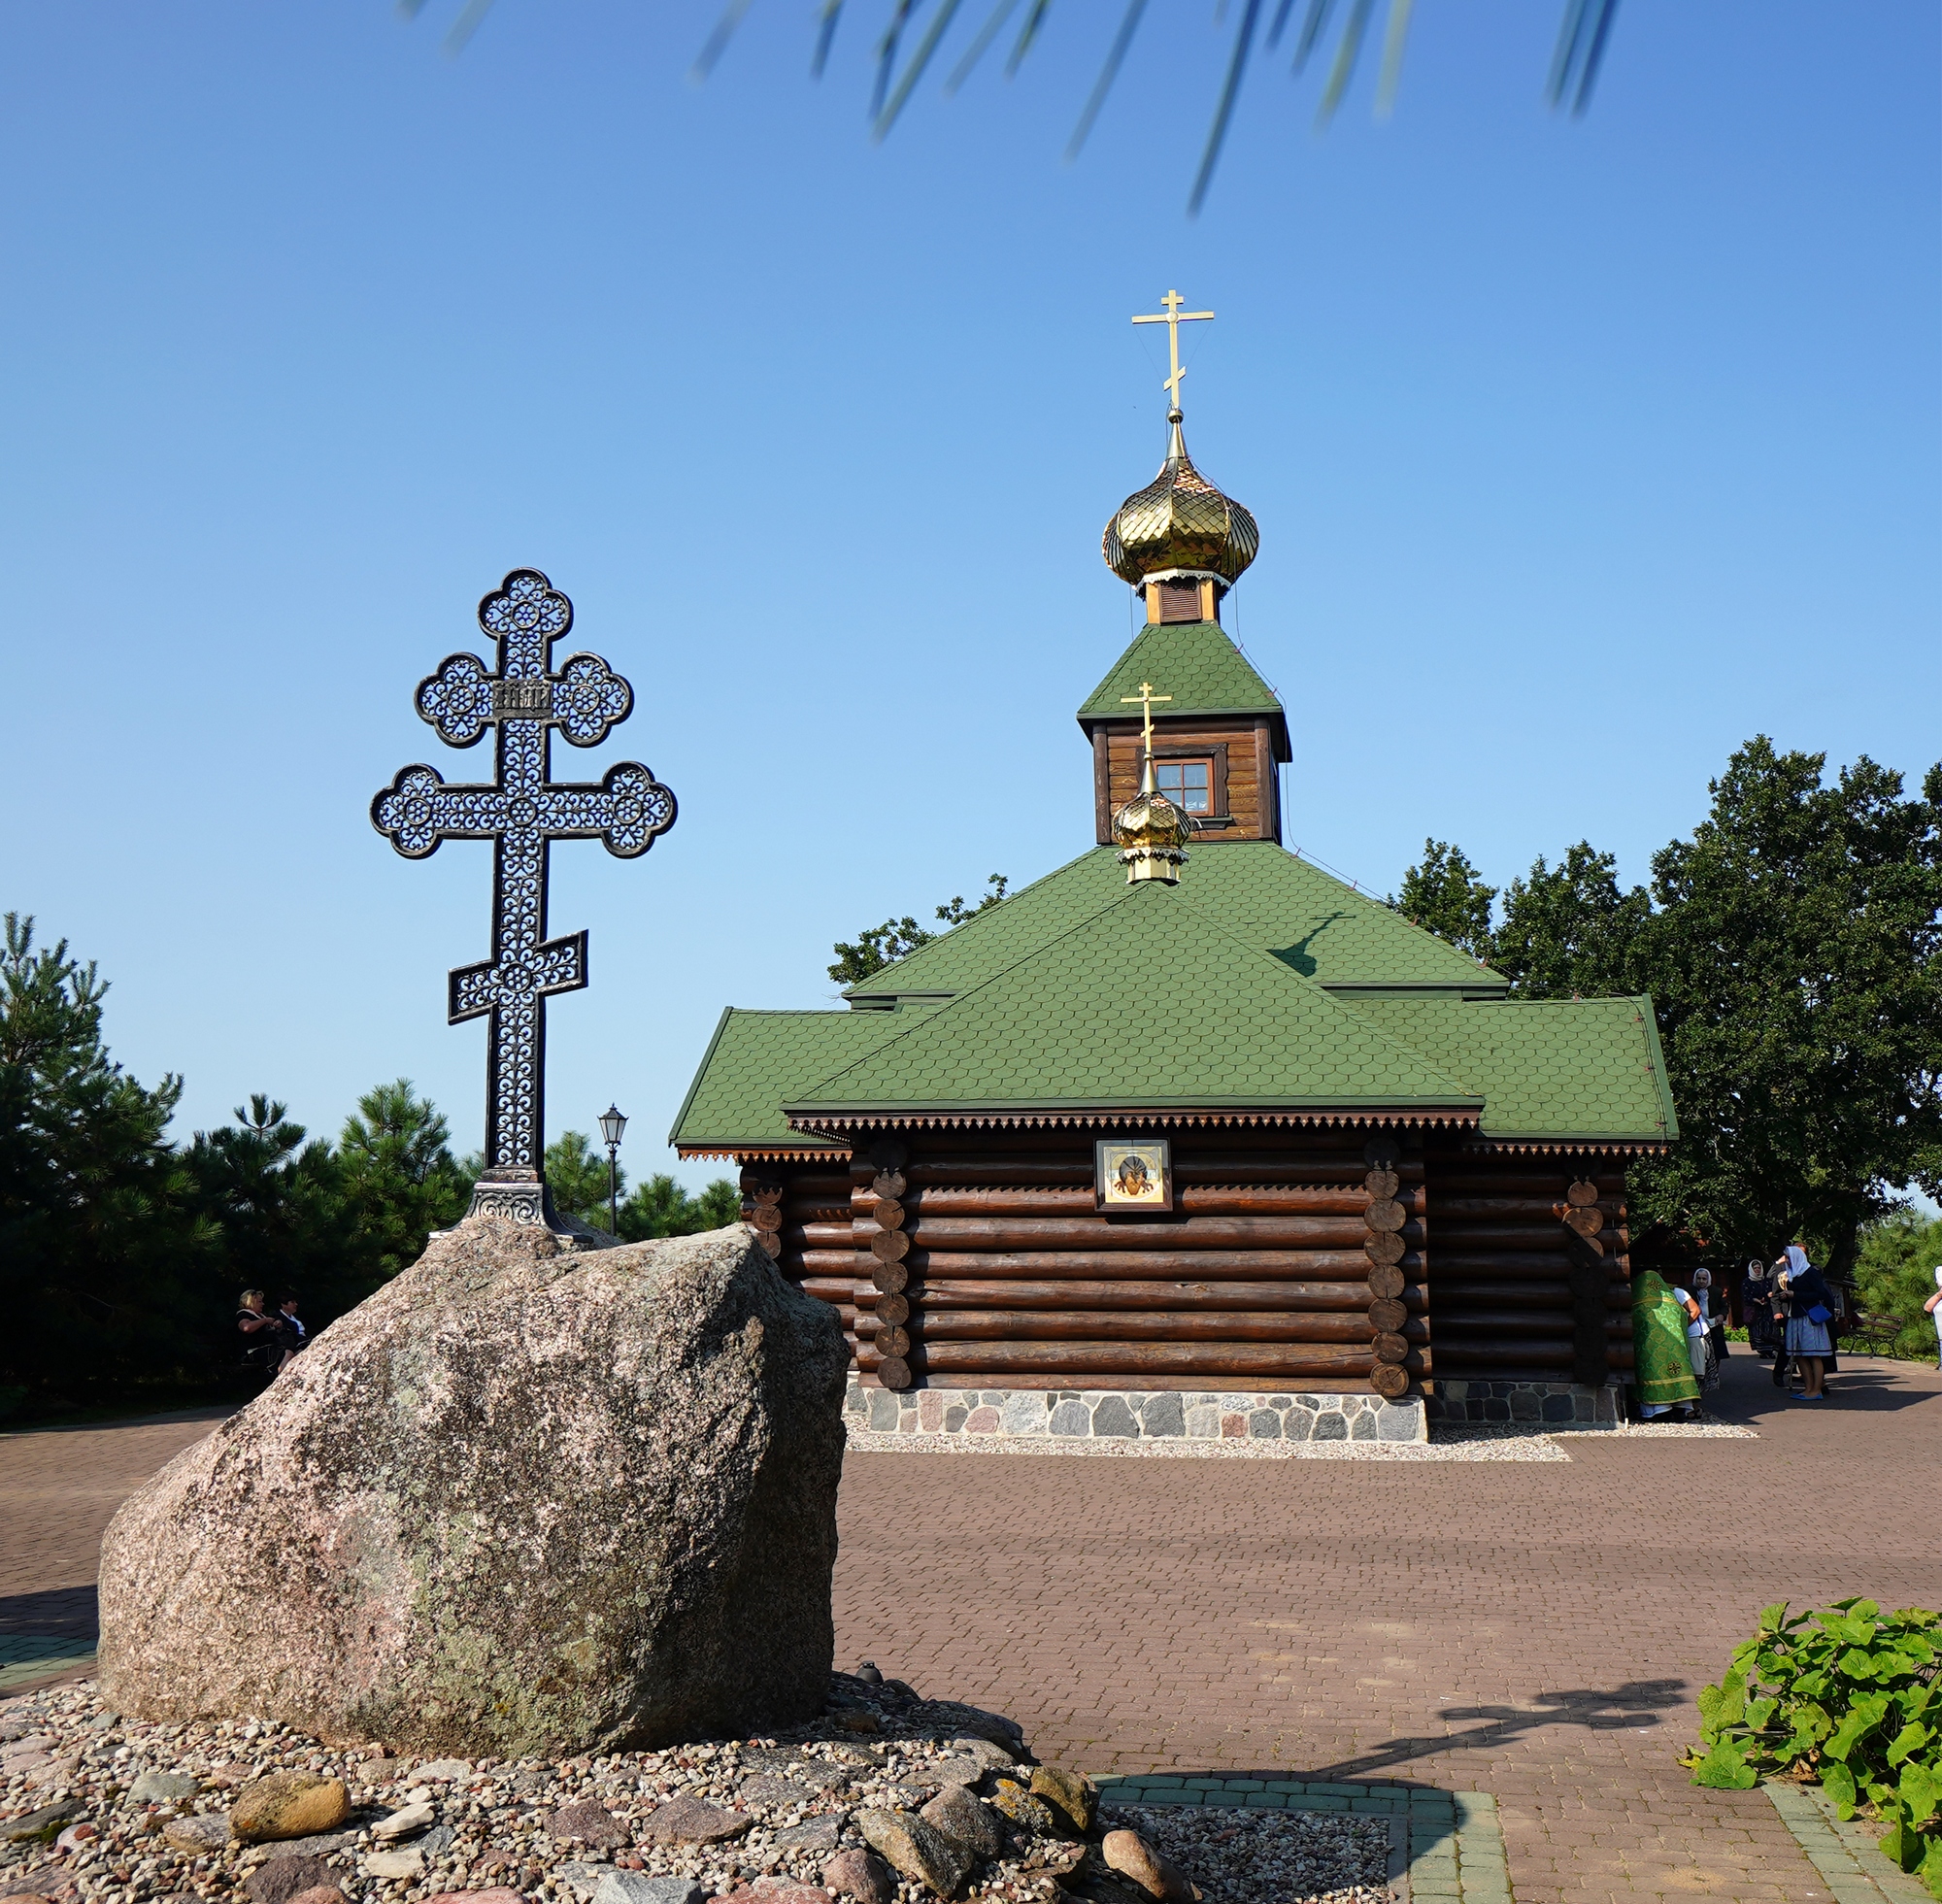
[[1811, 1308]]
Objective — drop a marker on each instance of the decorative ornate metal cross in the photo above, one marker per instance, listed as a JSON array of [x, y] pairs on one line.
[[521, 812]]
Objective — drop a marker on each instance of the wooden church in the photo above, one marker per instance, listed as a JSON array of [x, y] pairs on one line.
[[1353, 1187]]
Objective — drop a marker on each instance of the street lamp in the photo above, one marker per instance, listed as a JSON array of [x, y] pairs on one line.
[[611, 1125]]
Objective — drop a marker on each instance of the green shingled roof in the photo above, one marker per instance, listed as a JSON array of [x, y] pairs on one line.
[[756, 1060], [1266, 896], [1546, 1068], [1148, 1002], [1193, 661]]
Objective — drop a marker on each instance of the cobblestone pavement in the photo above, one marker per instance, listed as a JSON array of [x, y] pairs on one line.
[[1537, 1631]]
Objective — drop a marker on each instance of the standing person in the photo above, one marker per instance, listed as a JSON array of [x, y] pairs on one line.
[[1783, 1309], [1757, 1306], [1934, 1308], [1713, 1322], [1810, 1310], [1661, 1361]]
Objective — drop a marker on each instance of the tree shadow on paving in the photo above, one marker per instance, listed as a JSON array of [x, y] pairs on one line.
[[1635, 1705], [1857, 1389], [57, 1613]]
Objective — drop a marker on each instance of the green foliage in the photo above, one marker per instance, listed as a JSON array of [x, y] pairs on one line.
[[1444, 895], [400, 1181], [576, 1174], [660, 1207], [1848, 1695], [1793, 948], [1895, 1275], [1794, 954], [878, 945], [103, 1253], [1568, 931]]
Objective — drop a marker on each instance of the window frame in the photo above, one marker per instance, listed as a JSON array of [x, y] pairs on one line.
[[1215, 753]]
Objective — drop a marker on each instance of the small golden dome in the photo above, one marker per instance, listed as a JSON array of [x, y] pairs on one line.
[[1152, 834], [1180, 522]]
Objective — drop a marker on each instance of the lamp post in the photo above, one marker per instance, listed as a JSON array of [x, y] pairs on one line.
[[611, 1125]]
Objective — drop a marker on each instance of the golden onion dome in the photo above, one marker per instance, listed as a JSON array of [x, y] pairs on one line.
[[1152, 834], [1180, 522]]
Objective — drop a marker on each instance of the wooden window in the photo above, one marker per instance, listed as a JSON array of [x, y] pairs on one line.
[[1180, 601], [1187, 784]]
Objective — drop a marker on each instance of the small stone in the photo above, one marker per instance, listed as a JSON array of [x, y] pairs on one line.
[[402, 1823], [285, 1879], [968, 1820], [78, 1837], [638, 1888], [966, 1770], [786, 1890], [42, 1824], [869, 1673], [587, 1824], [975, 1723], [1155, 1874], [861, 1875], [812, 1834], [320, 1895], [990, 1756], [154, 1788], [498, 1894], [766, 1788], [408, 1863], [443, 1770], [1018, 1804], [919, 1851], [859, 1720], [198, 1834], [580, 1878], [1114, 1417], [289, 1805], [690, 1821], [321, 1846], [1071, 1793]]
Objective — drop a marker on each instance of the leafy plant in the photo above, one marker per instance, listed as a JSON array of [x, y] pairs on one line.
[[1849, 1696]]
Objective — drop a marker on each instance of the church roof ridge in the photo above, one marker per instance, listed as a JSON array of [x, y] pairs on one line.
[[1230, 1027]]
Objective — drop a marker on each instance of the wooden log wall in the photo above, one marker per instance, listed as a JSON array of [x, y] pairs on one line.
[[958, 1261], [1532, 1272]]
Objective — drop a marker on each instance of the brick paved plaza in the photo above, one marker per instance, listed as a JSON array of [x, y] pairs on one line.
[[1533, 1630]]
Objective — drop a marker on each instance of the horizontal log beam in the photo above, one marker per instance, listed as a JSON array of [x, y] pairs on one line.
[[1141, 1325], [1292, 1297], [1187, 1233], [1540, 1209], [1215, 1200], [1194, 1265], [1252, 1361], [1459, 1358]]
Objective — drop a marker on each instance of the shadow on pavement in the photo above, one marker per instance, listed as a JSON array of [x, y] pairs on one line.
[[1633, 1706]]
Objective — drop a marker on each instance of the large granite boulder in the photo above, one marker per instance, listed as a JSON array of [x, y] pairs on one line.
[[529, 1499]]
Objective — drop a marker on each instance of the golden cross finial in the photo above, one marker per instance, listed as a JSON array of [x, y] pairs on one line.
[[1146, 698], [1173, 318]]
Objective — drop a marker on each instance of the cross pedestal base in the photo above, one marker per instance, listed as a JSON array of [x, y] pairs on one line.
[[522, 1196]]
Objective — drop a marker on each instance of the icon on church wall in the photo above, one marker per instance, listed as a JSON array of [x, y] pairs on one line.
[[1133, 1176]]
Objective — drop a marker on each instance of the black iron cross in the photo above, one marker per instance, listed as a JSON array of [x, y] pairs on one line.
[[521, 812]]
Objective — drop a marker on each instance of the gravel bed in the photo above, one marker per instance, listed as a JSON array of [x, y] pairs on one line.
[[490, 1821], [1269, 1857]]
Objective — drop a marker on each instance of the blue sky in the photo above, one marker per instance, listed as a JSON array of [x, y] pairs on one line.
[[1582, 451]]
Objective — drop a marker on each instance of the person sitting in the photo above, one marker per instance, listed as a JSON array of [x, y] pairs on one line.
[[286, 1312], [270, 1340]]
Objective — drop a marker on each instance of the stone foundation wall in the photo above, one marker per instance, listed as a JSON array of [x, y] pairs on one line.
[[1560, 1403], [1075, 1412]]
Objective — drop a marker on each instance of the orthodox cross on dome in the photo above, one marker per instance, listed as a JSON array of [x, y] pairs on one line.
[[1173, 316], [1146, 699], [523, 810]]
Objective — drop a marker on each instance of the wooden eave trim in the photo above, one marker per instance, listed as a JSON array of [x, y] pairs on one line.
[[1559, 1146], [762, 1152]]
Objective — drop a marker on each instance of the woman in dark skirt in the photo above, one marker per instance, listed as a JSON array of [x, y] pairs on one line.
[[1811, 1308]]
